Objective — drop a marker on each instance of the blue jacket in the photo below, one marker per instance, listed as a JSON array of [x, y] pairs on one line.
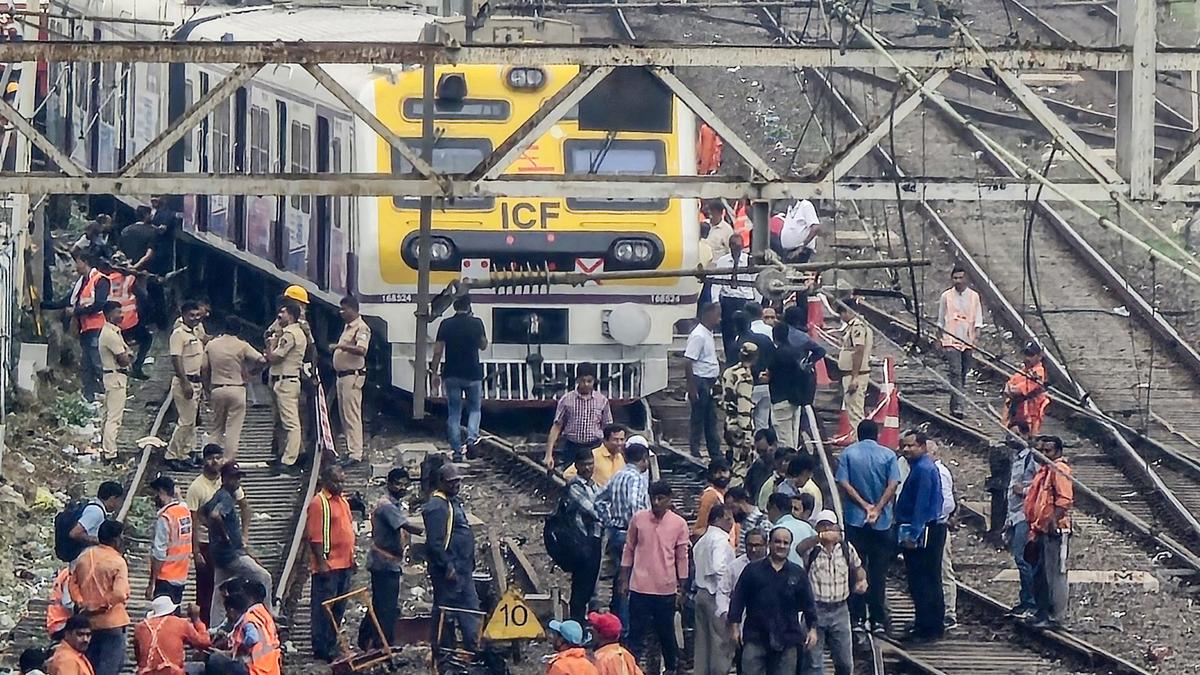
[[920, 501]]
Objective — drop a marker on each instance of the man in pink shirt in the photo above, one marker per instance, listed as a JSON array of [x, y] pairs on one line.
[[654, 569]]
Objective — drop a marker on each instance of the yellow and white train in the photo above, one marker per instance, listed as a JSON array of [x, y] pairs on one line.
[[283, 121]]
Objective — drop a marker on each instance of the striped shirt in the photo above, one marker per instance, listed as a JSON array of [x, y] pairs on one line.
[[755, 521], [582, 418], [626, 494], [829, 572]]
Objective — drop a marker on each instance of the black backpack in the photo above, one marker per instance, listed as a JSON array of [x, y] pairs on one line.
[[564, 543], [67, 549]]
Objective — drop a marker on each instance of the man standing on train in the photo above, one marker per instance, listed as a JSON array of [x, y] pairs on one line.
[[960, 316], [350, 367]]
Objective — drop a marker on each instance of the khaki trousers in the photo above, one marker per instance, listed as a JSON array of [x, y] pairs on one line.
[[114, 412], [183, 440], [349, 395], [855, 403], [229, 414], [287, 407]]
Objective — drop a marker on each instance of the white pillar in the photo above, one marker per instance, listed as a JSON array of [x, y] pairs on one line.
[[1135, 97]]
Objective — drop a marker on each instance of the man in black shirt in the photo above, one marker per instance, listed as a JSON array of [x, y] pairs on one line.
[[787, 385], [772, 593], [139, 242], [460, 338]]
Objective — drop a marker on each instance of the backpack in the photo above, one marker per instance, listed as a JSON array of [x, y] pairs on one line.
[[67, 549], [563, 541], [850, 566]]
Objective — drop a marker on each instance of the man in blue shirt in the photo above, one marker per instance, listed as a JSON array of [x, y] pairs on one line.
[[804, 537], [868, 475], [922, 537]]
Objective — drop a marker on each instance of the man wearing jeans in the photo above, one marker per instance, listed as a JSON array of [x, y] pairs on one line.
[[702, 371], [1016, 527], [330, 534], [460, 338], [226, 544], [623, 496], [831, 563]]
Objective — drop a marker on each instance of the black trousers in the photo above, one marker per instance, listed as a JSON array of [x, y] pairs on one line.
[[653, 613], [924, 569], [326, 585], [583, 579], [876, 550], [141, 335], [729, 334], [172, 591], [385, 598]]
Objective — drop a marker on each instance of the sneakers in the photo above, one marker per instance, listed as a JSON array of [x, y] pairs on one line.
[[1020, 612], [950, 623]]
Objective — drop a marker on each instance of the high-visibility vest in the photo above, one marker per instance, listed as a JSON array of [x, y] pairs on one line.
[[960, 327], [179, 542], [87, 297], [156, 659], [708, 151], [1031, 410], [121, 290], [265, 657], [742, 225], [60, 608]]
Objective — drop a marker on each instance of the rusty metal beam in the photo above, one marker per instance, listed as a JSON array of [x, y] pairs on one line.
[[44, 144], [551, 111], [350, 101], [661, 54], [190, 118]]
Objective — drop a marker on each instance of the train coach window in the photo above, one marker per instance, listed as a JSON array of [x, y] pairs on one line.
[[301, 161], [260, 140], [450, 155], [466, 109], [615, 157]]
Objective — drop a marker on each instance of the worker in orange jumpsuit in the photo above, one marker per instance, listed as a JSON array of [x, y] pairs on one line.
[[1025, 397], [160, 639], [570, 656], [70, 657], [611, 658], [708, 151], [61, 608], [99, 586], [171, 548]]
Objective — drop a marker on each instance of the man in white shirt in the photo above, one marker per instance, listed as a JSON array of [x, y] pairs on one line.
[[799, 234], [714, 584], [949, 585], [960, 316], [703, 368], [719, 229], [733, 297]]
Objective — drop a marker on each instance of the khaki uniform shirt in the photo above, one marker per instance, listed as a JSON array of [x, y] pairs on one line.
[[227, 357], [290, 346], [186, 343], [198, 330], [111, 346], [857, 333], [355, 333]]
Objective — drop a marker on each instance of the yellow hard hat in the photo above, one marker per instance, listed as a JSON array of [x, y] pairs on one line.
[[296, 293]]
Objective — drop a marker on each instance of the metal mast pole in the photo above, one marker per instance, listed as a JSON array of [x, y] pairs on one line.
[[1135, 97], [421, 358]]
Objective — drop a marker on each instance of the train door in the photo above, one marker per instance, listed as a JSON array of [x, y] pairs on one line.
[[204, 157], [241, 109], [106, 122], [260, 211], [279, 225], [340, 152], [300, 207], [323, 222], [221, 139]]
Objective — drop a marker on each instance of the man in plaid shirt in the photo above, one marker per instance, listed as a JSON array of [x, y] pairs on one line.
[[579, 420], [624, 495]]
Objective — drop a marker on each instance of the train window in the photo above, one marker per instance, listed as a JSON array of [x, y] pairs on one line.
[[222, 138], [450, 155], [260, 140], [335, 165], [301, 162], [466, 109], [615, 157]]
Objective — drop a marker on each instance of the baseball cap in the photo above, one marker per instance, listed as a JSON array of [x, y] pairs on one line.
[[826, 516], [449, 472], [1031, 348], [637, 439], [232, 469], [570, 631], [163, 482], [608, 626]]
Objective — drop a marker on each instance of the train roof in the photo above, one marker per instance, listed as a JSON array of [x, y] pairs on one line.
[[353, 23]]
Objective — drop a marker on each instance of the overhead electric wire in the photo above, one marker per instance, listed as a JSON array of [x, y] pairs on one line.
[[1029, 263]]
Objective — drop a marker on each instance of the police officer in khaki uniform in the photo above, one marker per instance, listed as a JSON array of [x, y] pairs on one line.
[[855, 362], [307, 370], [285, 353], [230, 359], [187, 357], [115, 358], [350, 365]]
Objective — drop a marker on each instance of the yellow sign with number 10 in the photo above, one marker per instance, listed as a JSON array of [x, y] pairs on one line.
[[513, 619]]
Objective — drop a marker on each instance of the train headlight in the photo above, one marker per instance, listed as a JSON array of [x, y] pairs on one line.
[[440, 249], [632, 251], [526, 78]]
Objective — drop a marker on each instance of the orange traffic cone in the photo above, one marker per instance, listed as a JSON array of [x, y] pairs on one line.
[[887, 414], [816, 319], [845, 435]]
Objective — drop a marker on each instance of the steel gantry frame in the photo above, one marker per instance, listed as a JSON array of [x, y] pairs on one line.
[[1104, 183]]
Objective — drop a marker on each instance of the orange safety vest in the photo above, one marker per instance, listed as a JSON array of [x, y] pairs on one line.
[[960, 327], [742, 225], [179, 542], [87, 297], [58, 611], [1050, 489], [122, 292], [1032, 409], [573, 661], [265, 658], [708, 151], [155, 658]]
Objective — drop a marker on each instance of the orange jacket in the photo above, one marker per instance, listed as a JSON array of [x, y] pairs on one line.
[[100, 584], [178, 520], [708, 151], [613, 659], [265, 657], [573, 661], [58, 611], [159, 643], [68, 661], [87, 297], [1030, 410], [1050, 490], [330, 525], [121, 290]]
